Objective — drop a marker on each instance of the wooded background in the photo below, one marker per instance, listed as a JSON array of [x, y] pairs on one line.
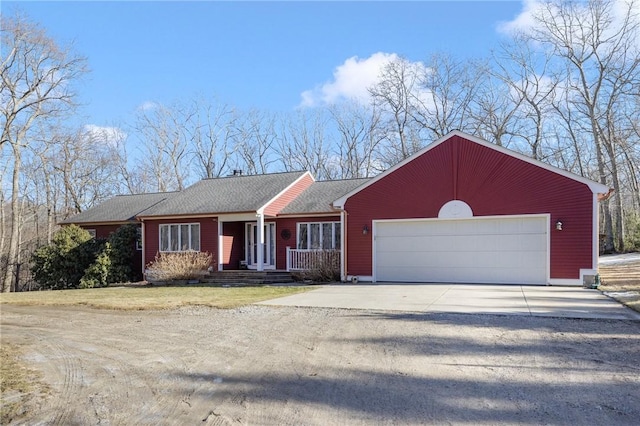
[[566, 92]]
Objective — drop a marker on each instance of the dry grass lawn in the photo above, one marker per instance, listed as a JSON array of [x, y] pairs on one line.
[[622, 282], [150, 297], [18, 384]]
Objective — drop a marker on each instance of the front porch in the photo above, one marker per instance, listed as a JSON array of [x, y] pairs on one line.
[[259, 245]]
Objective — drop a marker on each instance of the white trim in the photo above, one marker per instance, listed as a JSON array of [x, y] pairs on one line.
[[547, 217], [260, 211], [596, 188], [258, 263], [141, 246], [144, 266], [237, 217], [363, 278], [500, 216], [260, 243], [576, 282], [220, 244], [595, 239], [190, 224], [335, 213], [321, 236], [343, 245]]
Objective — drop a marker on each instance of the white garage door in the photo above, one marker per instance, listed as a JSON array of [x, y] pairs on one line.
[[510, 250]]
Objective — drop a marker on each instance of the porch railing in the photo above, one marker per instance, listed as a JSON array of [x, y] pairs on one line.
[[304, 260]]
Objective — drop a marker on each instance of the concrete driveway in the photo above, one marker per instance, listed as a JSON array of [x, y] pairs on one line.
[[567, 302]]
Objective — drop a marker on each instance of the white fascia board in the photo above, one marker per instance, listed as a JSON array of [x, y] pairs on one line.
[[238, 217], [260, 211], [595, 187]]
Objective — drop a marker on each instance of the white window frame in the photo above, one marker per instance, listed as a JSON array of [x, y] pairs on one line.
[[168, 227], [92, 232], [139, 238], [334, 240]]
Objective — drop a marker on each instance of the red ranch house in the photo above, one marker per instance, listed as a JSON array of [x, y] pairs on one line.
[[461, 210]]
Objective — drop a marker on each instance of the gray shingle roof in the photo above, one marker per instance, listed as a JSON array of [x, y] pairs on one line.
[[230, 194], [320, 195], [121, 208]]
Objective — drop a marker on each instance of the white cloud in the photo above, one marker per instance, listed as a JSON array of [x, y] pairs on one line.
[[351, 80], [525, 21], [106, 135], [147, 105]]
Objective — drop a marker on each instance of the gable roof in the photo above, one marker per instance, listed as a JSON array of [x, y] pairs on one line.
[[595, 187], [231, 194], [121, 208], [318, 198]]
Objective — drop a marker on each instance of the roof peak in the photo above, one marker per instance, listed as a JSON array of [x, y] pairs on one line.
[[256, 175]]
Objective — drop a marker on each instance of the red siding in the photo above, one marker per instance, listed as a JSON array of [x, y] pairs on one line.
[[233, 244], [283, 200], [291, 224], [208, 236], [492, 183]]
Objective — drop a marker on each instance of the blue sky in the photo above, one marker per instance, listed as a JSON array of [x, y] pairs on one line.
[[252, 54]]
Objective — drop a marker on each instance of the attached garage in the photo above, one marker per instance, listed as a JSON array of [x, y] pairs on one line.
[[463, 210], [503, 250]]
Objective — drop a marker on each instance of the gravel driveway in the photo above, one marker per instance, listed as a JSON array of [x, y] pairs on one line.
[[285, 365]]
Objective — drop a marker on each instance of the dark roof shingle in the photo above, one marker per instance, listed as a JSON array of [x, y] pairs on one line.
[[232, 194], [319, 197], [121, 208]]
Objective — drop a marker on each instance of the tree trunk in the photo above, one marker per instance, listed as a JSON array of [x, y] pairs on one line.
[[12, 254]]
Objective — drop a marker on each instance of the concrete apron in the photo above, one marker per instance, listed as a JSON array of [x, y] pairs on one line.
[[567, 302]]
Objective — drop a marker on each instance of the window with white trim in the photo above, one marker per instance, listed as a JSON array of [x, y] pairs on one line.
[[92, 232], [319, 235], [139, 238], [180, 237]]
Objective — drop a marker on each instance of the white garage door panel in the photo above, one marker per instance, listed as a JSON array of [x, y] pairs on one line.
[[495, 250]]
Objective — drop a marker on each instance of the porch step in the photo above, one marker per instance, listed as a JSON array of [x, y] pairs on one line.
[[248, 277]]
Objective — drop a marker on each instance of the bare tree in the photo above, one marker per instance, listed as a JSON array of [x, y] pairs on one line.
[[600, 53], [360, 135], [493, 112], [394, 96], [84, 182], [303, 144], [37, 80], [447, 88], [532, 87], [255, 139], [210, 137], [165, 144]]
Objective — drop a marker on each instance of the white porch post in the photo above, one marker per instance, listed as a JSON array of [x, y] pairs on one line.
[[288, 258], [144, 246], [220, 245], [343, 245], [260, 243]]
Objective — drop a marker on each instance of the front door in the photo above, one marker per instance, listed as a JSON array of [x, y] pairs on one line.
[[269, 249]]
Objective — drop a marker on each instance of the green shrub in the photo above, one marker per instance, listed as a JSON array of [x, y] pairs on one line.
[[121, 254], [632, 232], [97, 274], [179, 266], [62, 264]]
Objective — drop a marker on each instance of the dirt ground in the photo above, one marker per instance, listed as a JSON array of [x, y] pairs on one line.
[[275, 366]]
